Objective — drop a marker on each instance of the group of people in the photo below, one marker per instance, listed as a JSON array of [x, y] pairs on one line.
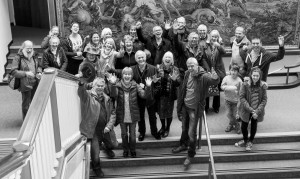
[[140, 73]]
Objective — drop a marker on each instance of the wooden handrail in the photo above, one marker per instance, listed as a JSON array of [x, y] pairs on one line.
[[292, 66], [211, 158]]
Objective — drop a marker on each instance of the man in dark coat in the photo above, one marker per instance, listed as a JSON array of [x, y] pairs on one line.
[[98, 119], [191, 104]]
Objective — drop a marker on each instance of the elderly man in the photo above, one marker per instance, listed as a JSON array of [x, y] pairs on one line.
[[238, 43], [54, 32], [141, 71], [191, 104], [98, 119], [257, 56], [26, 67], [54, 56], [157, 45], [202, 31]]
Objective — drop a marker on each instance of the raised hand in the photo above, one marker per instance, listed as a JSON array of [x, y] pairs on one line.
[[168, 24], [175, 25], [112, 78], [138, 25], [148, 81], [174, 75], [155, 78], [121, 44], [281, 41]]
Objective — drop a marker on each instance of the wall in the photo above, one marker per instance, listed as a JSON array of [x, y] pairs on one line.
[[264, 18], [5, 35]]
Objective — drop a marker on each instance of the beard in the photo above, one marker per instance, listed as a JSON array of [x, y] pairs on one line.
[[27, 55]]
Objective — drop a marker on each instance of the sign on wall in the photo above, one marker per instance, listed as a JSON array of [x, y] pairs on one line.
[[261, 18]]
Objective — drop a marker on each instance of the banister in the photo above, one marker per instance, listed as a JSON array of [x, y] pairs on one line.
[[212, 163]]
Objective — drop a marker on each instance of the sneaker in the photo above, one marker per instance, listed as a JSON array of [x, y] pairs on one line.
[[187, 163], [179, 149], [240, 143], [229, 128], [238, 128], [249, 146]]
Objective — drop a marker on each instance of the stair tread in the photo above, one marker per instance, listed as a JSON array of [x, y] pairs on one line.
[[5, 148], [200, 168]]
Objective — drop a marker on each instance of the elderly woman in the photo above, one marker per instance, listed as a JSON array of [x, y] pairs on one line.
[[25, 66], [253, 99], [108, 55], [213, 52], [105, 34], [170, 79], [73, 49]]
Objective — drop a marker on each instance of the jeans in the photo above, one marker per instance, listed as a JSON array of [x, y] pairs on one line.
[[152, 119], [252, 131], [27, 97], [128, 144], [231, 112], [189, 130]]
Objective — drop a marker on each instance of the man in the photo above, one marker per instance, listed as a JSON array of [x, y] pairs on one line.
[[202, 31], [191, 103], [54, 56], [98, 119], [54, 32], [182, 35], [257, 56], [238, 43], [26, 67], [141, 71], [157, 45]]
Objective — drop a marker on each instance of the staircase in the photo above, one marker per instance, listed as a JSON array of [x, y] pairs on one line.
[[13, 50], [273, 156], [6, 147]]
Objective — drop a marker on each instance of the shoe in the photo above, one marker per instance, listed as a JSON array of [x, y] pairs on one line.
[[240, 143], [141, 137], [187, 162], [229, 128], [166, 133], [179, 149], [157, 136], [110, 153], [133, 154], [161, 132], [99, 172], [238, 128], [249, 146], [216, 110], [125, 154]]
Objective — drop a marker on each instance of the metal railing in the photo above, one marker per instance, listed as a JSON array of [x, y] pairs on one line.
[[211, 162], [49, 141]]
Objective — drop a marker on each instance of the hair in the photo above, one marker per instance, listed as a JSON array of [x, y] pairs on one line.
[[105, 31], [139, 52], [73, 24], [255, 69], [91, 37], [98, 80], [242, 28], [54, 38], [202, 26], [192, 60], [128, 37], [235, 68], [191, 34], [127, 69], [155, 27], [168, 53], [111, 41], [218, 34], [256, 38], [182, 19], [24, 44]]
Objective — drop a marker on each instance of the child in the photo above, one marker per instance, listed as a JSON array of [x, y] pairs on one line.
[[253, 99], [126, 93], [231, 85]]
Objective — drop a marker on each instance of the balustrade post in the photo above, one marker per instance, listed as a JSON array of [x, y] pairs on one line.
[[209, 169], [200, 132]]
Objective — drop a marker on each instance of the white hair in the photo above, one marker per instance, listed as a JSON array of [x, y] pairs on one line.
[[192, 60], [105, 31]]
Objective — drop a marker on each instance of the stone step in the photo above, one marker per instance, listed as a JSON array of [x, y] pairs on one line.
[[274, 169]]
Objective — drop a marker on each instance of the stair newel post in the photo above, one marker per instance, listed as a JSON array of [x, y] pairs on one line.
[[200, 131], [209, 169]]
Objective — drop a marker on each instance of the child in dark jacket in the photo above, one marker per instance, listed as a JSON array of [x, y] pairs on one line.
[[126, 92]]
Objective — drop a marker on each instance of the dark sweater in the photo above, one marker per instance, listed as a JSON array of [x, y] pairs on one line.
[[49, 59]]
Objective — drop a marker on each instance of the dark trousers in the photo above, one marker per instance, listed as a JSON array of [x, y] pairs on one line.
[[252, 131], [128, 143], [27, 97], [189, 130], [152, 119]]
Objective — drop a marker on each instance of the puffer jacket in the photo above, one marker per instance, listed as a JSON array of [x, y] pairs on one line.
[[244, 108]]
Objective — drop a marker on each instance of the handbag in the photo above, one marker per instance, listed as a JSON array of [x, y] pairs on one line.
[[111, 136], [213, 90], [13, 82]]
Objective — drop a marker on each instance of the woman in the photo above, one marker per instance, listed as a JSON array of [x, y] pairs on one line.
[[170, 79], [93, 42], [105, 34], [213, 53], [128, 59], [73, 48], [253, 99], [108, 56]]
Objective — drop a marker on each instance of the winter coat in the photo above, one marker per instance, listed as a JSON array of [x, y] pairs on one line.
[[45, 43], [151, 45], [244, 108], [49, 59], [263, 61], [21, 61], [215, 60], [90, 111], [202, 80], [126, 61]]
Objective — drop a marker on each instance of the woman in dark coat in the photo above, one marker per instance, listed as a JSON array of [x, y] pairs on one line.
[[170, 79], [213, 52]]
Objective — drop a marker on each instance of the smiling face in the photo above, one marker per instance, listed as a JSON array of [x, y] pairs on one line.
[[168, 59], [239, 33], [96, 38], [140, 58], [193, 39], [91, 57], [28, 49], [127, 76], [107, 35], [55, 31], [132, 31], [233, 73], [255, 76], [202, 31], [214, 36], [181, 23], [157, 31], [192, 66], [75, 28], [256, 44], [128, 44], [99, 86], [54, 43], [108, 46]]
